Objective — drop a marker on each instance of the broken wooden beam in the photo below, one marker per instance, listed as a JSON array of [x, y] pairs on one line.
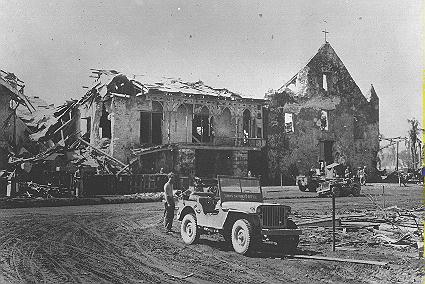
[[102, 152], [322, 222], [372, 262]]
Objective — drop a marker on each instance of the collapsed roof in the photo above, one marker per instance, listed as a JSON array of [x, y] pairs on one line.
[[111, 82], [16, 88], [41, 113]]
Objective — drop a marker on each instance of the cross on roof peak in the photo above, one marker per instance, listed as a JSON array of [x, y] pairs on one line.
[[325, 32]]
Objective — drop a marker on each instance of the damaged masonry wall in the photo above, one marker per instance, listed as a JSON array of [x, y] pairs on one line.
[[332, 120], [129, 114], [13, 133]]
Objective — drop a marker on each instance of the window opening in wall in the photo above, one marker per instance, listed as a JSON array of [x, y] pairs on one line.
[[324, 121], [105, 124], [201, 127], [326, 151], [212, 132], [85, 126], [289, 123], [145, 127], [246, 124], [156, 128], [325, 82], [259, 132], [151, 125], [358, 129]]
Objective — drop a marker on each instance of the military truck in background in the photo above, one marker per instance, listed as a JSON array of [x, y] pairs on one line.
[[331, 180]]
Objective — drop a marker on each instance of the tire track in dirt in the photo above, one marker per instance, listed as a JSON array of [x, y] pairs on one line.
[[206, 262], [67, 253]]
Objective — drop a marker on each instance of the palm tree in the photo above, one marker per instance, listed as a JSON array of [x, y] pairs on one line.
[[414, 140]]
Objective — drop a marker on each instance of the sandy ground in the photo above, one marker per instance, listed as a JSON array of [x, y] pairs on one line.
[[125, 243]]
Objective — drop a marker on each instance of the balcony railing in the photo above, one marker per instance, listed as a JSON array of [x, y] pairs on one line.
[[231, 142]]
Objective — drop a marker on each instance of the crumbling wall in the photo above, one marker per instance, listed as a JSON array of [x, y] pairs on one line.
[[126, 125], [181, 123], [153, 162], [224, 125], [240, 162], [352, 123], [185, 163]]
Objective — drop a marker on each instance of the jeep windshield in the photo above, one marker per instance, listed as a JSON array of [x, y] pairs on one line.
[[240, 189]]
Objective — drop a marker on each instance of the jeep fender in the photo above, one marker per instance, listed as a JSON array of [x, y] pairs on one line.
[[234, 215], [186, 210]]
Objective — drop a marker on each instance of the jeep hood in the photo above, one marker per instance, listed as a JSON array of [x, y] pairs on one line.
[[249, 207]]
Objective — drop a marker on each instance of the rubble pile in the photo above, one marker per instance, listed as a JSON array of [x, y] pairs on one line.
[[393, 227]]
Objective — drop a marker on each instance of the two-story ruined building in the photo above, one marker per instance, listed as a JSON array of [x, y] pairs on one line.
[[190, 128], [320, 114]]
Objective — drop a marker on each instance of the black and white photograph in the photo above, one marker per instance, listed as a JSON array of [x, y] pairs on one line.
[[188, 141]]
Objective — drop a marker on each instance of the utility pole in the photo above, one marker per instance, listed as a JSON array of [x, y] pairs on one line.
[[394, 140], [13, 106], [396, 162]]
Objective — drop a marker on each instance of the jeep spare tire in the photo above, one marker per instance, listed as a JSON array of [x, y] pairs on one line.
[[242, 236], [189, 229], [289, 244]]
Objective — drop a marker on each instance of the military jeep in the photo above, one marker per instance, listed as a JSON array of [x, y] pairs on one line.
[[236, 210]]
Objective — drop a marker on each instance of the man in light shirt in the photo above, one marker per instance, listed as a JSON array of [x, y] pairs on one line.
[[169, 203]]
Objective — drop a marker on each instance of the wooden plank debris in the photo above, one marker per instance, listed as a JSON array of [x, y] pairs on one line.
[[102, 152], [372, 262], [181, 277], [322, 222]]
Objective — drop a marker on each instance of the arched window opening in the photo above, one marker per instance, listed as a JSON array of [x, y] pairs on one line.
[[246, 124], [201, 130]]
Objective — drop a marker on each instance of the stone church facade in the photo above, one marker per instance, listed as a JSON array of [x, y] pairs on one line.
[[320, 114]]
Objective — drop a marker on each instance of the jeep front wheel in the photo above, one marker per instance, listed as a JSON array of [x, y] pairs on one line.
[[243, 239], [336, 190], [189, 229]]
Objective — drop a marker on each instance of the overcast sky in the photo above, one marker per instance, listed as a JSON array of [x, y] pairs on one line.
[[245, 46]]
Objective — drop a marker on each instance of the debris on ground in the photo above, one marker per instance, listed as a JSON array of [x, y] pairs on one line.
[[391, 227]]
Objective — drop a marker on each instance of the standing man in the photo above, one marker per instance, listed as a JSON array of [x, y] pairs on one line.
[[169, 203]]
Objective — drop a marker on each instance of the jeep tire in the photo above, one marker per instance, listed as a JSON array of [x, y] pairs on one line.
[[302, 187], [243, 237], [355, 189], [337, 190], [289, 243], [189, 229]]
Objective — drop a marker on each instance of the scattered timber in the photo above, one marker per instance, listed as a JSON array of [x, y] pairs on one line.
[[372, 262]]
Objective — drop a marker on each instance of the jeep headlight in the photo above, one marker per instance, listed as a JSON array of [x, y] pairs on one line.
[[259, 210]]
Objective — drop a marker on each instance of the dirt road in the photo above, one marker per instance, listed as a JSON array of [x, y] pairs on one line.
[[125, 243]]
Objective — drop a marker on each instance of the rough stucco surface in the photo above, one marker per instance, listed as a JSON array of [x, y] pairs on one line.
[[126, 125], [240, 163], [295, 153], [186, 162]]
